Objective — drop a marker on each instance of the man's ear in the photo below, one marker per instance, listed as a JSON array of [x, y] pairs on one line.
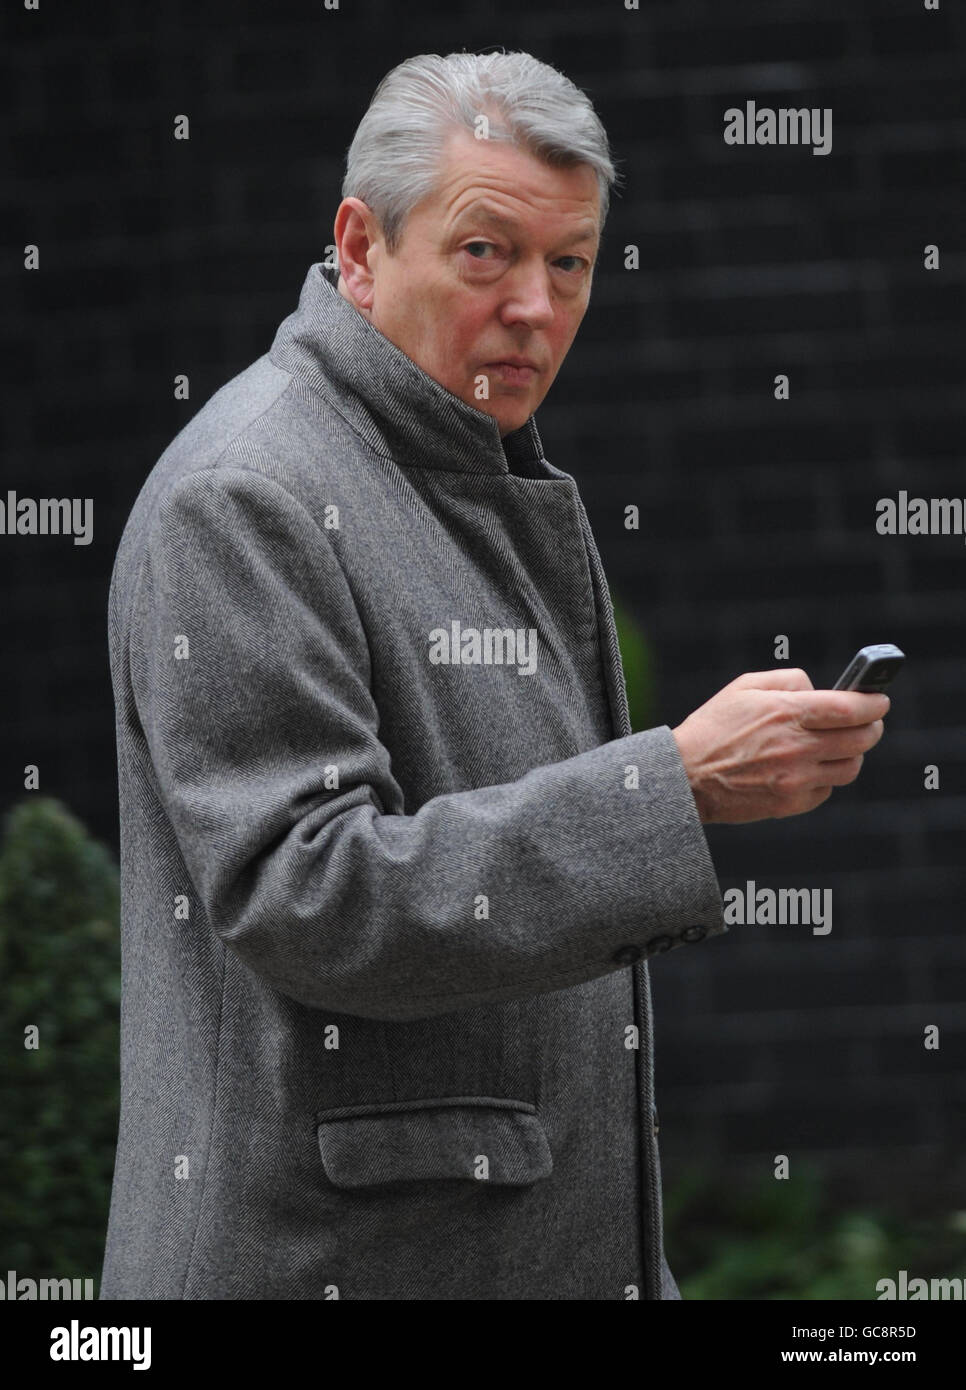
[[359, 245]]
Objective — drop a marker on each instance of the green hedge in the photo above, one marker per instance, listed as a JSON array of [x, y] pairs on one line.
[[60, 973], [784, 1240], [638, 669]]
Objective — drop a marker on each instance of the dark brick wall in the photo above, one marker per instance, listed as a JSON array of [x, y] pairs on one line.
[[757, 516]]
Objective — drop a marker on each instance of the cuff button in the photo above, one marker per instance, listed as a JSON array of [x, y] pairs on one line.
[[627, 955], [694, 933]]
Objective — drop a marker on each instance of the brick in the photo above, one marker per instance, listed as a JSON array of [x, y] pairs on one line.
[[135, 76], [917, 34], [933, 435], [901, 1059], [918, 170], [830, 979], [809, 1127], [753, 41], [930, 299]]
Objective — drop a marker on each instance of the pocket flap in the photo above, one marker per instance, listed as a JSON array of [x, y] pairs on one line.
[[476, 1142]]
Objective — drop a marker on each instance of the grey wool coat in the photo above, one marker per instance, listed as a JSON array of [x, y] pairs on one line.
[[392, 862]]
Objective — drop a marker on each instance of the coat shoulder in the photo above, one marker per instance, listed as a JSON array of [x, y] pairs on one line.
[[265, 420]]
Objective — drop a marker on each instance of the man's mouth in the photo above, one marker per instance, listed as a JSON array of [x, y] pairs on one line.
[[519, 373]]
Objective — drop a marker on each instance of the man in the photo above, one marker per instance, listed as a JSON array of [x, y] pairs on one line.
[[392, 860]]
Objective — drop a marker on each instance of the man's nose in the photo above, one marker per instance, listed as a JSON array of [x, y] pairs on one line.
[[530, 299]]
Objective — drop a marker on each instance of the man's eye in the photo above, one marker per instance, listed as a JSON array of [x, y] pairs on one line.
[[577, 261]]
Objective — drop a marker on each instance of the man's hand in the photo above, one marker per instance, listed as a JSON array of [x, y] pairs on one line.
[[770, 745]]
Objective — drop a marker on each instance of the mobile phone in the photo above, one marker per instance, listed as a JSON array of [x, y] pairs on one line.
[[871, 669]]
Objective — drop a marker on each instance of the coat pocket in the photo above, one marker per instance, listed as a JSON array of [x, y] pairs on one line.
[[468, 1138]]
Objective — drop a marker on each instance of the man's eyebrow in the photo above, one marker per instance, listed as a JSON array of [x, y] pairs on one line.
[[480, 213]]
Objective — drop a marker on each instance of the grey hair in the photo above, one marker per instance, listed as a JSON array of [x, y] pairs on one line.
[[393, 161]]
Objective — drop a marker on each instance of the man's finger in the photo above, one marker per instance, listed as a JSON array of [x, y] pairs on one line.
[[781, 678], [839, 709]]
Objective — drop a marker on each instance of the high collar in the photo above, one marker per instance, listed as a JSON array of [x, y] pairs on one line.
[[396, 407]]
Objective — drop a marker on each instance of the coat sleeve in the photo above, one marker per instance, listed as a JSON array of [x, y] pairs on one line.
[[250, 670]]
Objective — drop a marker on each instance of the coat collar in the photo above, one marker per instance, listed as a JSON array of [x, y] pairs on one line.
[[398, 409]]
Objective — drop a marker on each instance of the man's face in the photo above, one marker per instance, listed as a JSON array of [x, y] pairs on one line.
[[496, 263]]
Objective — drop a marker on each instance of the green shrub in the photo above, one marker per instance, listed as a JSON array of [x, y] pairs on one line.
[[784, 1240], [638, 669], [60, 973]]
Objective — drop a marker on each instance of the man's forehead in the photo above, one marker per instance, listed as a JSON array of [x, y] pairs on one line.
[[482, 211], [508, 185]]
